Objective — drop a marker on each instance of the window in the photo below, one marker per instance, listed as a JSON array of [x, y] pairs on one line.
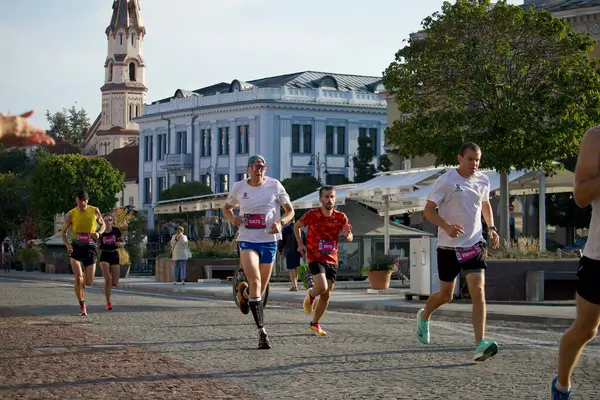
[[295, 138], [336, 179], [148, 148], [205, 142], [161, 144], [132, 72], [206, 180], [242, 144], [223, 183], [301, 138], [307, 133], [242, 177], [341, 140], [110, 72], [161, 186], [181, 179], [121, 39], [147, 190], [329, 140], [133, 40], [372, 134], [181, 145], [299, 174], [223, 141]]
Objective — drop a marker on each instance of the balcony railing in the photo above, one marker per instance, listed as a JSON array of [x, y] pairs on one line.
[[179, 161]]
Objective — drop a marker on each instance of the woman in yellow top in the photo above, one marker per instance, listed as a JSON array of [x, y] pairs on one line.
[[84, 221]]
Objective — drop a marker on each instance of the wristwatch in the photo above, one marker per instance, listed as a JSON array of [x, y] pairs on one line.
[[493, 228]]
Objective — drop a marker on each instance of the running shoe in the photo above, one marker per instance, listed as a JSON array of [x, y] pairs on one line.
[[485, 350], [263, 340], [243, 301], [422, 328], [317, 328], [309, 303], [108, 306], [82, 310], [557, 394]]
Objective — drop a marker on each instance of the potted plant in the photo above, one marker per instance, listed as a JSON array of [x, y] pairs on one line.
[[28, 257], [380, 271]]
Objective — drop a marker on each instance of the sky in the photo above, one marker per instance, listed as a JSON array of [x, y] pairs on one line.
[[54, 51]]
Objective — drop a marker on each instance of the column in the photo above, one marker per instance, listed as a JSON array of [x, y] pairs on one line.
[[196, 138], [352, 138], [319, 147], [233, 139], [213, 152], [285, 148]]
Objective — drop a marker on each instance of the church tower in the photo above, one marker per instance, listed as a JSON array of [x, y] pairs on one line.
[[124, 89]]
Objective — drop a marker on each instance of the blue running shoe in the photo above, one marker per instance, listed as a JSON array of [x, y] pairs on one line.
[[485, 350], [557, 394], [422, 328]]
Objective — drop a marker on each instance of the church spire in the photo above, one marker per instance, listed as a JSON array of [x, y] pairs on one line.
[[126, 15]]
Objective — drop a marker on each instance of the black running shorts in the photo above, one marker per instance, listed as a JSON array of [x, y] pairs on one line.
[[109, 256], [449, 267], [589, 280], [330, 270], [86, 254]]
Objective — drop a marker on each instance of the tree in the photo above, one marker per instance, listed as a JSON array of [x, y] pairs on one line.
[[183, 190], [70, 124], [363, 161], [57, 178], [514, 80], [14, 160], [14, 195], [300, 186], [385, 164]]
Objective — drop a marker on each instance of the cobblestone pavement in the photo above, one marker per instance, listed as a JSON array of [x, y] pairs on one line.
[[171, 341]]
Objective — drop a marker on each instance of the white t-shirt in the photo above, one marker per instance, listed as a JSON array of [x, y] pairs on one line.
[[259, 207], [592, 246], [459, 202]]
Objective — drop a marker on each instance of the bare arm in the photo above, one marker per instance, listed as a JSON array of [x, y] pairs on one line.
[[587, 173], [228, 213], [432, 216], [100, 221], [488, 215], [298, 233], [288, 215], [66, 225]]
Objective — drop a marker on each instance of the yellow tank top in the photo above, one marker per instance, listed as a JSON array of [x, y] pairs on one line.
[[83, 221]]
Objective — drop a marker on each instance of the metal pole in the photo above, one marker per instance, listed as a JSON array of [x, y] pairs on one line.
[[386, 224], [542, 211]]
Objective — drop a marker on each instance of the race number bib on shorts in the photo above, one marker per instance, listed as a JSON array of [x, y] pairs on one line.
[[255, 221], [327, 246], [110, 240], [83, 237], [467, 254]]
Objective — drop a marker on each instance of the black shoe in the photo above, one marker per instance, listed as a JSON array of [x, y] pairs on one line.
[[263, 340]]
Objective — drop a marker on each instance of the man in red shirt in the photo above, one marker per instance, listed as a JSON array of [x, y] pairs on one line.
[[324, 227]]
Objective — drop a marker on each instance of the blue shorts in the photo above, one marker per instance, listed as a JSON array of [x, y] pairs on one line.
[[266, 250]]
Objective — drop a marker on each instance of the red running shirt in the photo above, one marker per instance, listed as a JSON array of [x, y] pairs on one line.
[[323, 235]]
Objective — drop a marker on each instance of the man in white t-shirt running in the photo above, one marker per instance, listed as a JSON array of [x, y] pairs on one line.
[[260, 199], [461, 196], [587, 319]]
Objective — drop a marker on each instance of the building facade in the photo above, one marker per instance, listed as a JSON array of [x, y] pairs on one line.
[[306, 123]]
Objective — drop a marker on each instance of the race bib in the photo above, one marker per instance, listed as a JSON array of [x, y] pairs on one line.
[[110, 240], [467, 254], [327, 246], [255, 221], [84, 237]]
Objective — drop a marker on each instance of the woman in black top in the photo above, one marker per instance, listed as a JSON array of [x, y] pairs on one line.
[[110, 241]]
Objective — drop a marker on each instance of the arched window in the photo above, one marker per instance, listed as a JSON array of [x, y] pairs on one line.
[[328, 82], [132, 72]]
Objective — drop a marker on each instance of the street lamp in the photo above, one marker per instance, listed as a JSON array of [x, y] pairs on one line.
[[319, 164], [210, 171]]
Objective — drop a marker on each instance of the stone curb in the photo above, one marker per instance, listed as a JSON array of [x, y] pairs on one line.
[[348, 304]]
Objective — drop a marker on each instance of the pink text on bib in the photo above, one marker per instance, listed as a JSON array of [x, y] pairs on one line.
[[467, 254], [327, 246]]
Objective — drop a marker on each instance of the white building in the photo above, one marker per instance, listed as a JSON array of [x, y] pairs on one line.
[[306, 123]]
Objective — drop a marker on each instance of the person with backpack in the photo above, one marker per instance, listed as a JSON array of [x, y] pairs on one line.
[[7, 253]]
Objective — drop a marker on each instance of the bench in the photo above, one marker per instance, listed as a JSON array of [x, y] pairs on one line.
[[534, 282], [208, 270]]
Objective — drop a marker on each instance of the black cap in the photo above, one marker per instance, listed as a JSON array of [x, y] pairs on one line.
[[82, 195]]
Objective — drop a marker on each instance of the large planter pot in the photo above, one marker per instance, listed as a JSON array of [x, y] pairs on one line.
[[30, 266], [380, 279]]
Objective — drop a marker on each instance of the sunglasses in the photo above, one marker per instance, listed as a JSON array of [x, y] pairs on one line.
[[259, 167], [108, 219]]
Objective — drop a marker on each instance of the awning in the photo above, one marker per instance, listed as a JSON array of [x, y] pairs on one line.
[[170, 208], [312, 200], [192, 206], [394, 184]]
